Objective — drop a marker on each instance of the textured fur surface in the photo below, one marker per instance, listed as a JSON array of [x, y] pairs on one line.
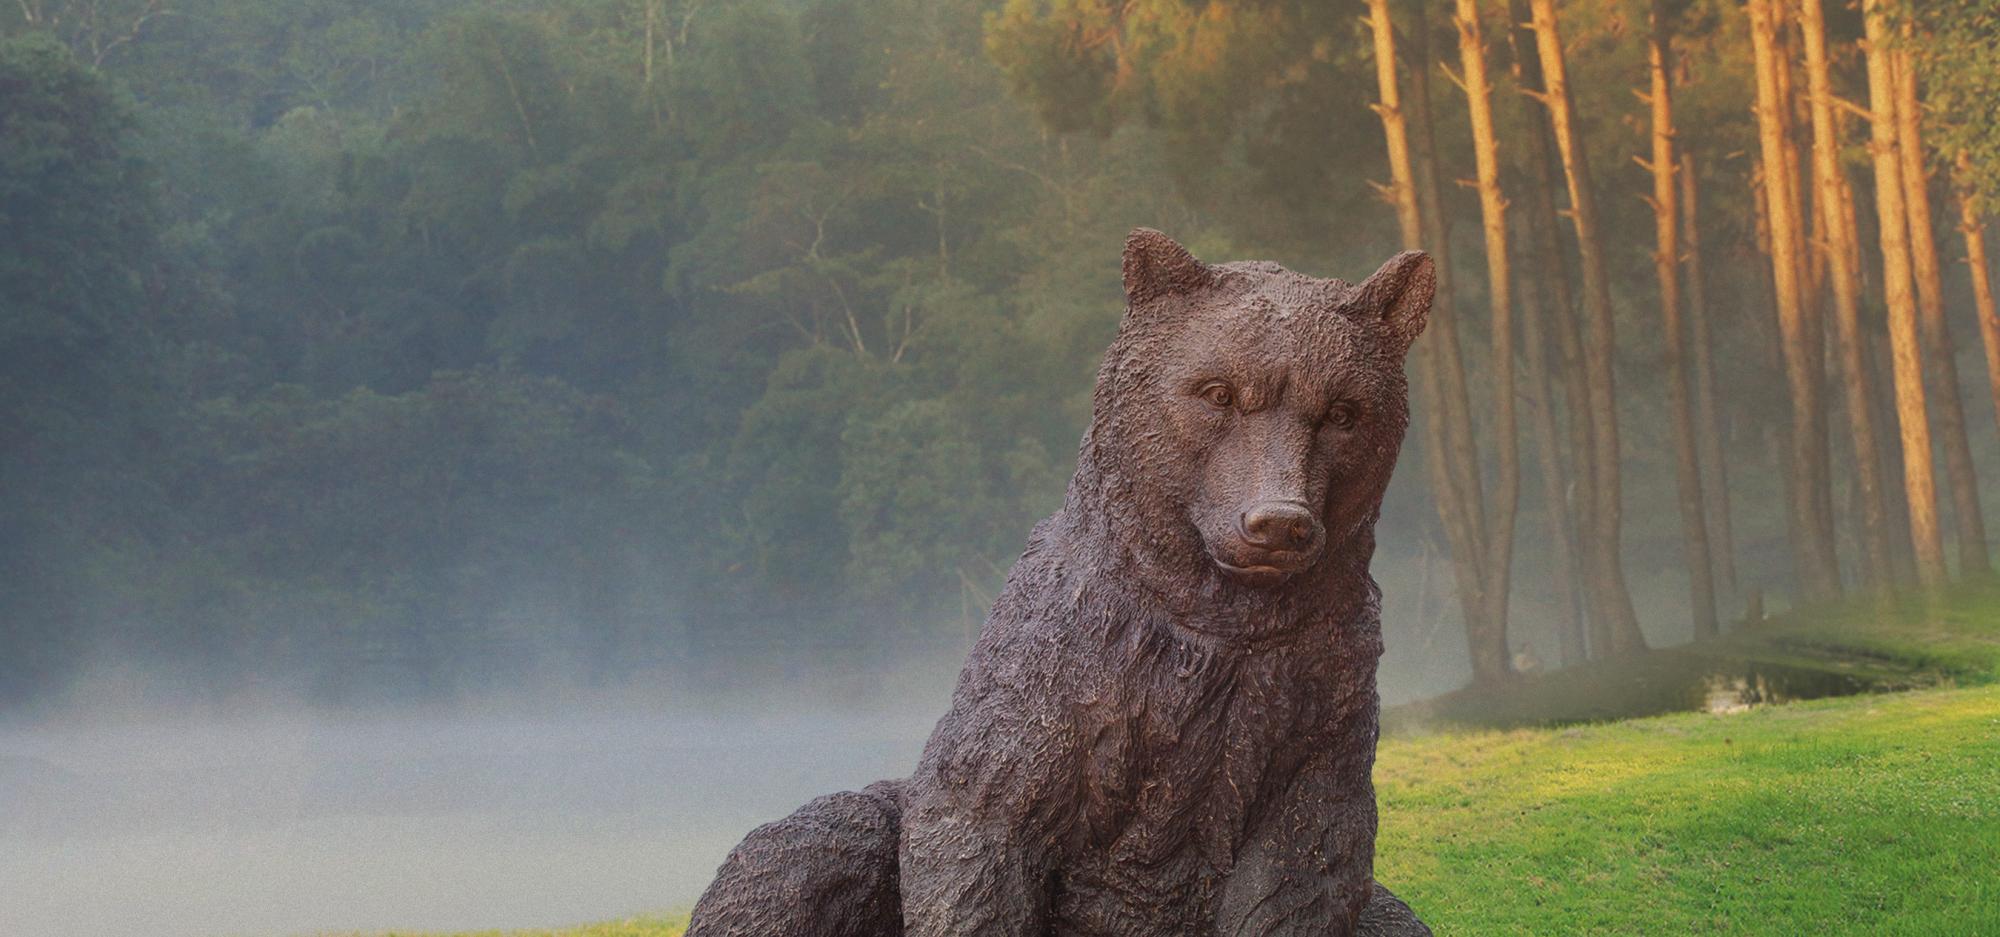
[[1168, 722]]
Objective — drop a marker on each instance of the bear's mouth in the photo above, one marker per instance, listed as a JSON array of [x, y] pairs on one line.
[[1272, 571]]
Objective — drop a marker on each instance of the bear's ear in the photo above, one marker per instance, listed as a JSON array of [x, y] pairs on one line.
[[1399, 295], [1155, 265]]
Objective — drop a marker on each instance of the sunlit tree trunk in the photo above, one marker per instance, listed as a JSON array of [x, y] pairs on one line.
[[1461, 537], [1881, 397], [1815, 566], [1666, 264], [1708, 416], [1490, 657], [1456, 409], [1836, 248], [1547, 309], [1402, 190], [1773, 431], [1610, 600], [1805, 211], [1906, 359], [1973, 228], [1940, 356], [1555, 498], [1462, 452]]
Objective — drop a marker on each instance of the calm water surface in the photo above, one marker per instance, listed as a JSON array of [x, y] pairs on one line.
[[306, 824]]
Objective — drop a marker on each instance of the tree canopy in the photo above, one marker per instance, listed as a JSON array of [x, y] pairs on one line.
[[443, 341]]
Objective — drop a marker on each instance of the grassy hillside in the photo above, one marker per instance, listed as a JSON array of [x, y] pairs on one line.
[[1864, 815], [1959, 639], [1874, 814], [1829, 650], [1871, 814]]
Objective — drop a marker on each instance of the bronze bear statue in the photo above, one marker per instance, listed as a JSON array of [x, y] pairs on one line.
[[1167, 725]]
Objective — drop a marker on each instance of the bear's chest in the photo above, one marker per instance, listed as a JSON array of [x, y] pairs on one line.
[[1181, 767], [1181, 772]]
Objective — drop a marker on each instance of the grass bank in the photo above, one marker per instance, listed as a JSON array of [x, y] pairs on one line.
[[1866, 815], [1829, 650]]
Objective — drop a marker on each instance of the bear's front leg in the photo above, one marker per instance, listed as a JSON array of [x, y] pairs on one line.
[[963, 876], [1309, 865]]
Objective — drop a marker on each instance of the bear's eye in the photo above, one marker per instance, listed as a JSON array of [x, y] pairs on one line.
[[1218, 394], [1343, 415]]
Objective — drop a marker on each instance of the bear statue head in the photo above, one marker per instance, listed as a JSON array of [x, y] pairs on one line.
[[1247, 417]]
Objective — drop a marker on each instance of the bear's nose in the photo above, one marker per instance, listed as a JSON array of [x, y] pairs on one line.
[[1280, 525]]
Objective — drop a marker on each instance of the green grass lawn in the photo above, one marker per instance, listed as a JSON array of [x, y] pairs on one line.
[[1864, 815], [1872, 814], [1876, 814]]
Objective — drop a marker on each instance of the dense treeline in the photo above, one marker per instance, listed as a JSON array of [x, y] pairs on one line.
[[447, 344]]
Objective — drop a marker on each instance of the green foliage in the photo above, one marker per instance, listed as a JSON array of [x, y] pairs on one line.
[[77, 221], [414, 527], [789, 525], [1063, 56], [1960, 66], [927, 508], [75, 201], [1246, 100], [841, 269]]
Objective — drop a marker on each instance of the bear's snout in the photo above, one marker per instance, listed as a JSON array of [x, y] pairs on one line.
[[1272, 541], [1281, 526]]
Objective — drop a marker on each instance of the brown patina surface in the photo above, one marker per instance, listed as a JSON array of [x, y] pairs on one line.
[[1168, 723]]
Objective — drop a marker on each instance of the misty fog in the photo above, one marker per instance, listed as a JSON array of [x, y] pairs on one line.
[[141, 801], [271, 822], [131, 809]]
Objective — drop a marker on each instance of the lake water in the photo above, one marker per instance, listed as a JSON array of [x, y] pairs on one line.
[[279, 819], [272, 826]]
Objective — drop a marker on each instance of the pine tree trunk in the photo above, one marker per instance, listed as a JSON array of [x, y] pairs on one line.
[[1776, 433], [1811, 286], [1548, 308], [1941, 356], [1461, 536], [1462, 451], [1490, 658], [1906, 360], [1611, 601], [1815, 566], [1402, 191], [1708, 416], [1666, 263], [1457, 410], [1570, 639], [1843, 278], [1881, 395], [1812, 295], [1973, 228]]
